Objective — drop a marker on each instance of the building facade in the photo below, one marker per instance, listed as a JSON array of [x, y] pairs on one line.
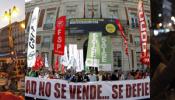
[[18, 30], [124, 10]]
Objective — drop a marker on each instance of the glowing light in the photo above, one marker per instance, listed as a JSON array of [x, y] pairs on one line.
[[159, 15], [23, 25], [156, 32], [167, 30], [160, 24], [173, 18], [15, 11], [169, 24], [12, 12]]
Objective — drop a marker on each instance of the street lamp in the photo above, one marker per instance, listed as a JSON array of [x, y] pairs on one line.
[[8, 15], [22, 25]]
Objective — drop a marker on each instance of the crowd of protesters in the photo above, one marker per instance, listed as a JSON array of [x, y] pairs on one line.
[[162, 51], [89, 76]]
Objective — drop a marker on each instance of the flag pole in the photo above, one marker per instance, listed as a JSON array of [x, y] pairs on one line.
[[92, 9], [100, 10], [84, 10], [129, 61]]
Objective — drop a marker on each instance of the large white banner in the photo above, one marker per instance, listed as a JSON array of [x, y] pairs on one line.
[[31, 52], [55, 89]]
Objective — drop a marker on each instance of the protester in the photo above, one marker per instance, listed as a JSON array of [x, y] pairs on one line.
[[91, 76], [115, 76], [33, 73], [163, 68], [100, 76]]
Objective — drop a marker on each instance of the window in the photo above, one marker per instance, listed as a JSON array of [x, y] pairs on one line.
[[71, 11], [148, 21], [50, 20], [46, 42], [38, 39], [134, 20], [113, 11], [139, 65], [137, 41], [117, 59], [92, 10], [131, 38], [41, 17]]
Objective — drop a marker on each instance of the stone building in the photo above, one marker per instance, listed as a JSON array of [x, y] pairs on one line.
[[18, 42], [124, 10]]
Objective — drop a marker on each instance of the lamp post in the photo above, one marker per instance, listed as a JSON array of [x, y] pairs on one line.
[[8, 15]]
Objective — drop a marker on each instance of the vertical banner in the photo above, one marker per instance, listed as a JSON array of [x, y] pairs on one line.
[[143, 34], [123, 35], [80, 60], [31, 52], [72, 56], [64, 58], [46, 63], [106, 54], [59, 37], [93, 52]]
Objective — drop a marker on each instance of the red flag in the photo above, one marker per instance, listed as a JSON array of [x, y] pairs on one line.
[[143, 34], [57, 65], [39, 63], [62, 69], [123, 35], [59, 37]]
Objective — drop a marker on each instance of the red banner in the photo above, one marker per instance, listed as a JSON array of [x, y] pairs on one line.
[[123, 35], [59, 38], [143, 34]]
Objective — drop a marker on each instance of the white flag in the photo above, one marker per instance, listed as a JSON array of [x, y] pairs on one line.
[[46, 60], [72, 56], [64, 58], [31, 52], [80, 61]]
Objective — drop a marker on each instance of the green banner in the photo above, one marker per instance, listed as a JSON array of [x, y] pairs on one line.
[[93, 52], [106, 54]]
